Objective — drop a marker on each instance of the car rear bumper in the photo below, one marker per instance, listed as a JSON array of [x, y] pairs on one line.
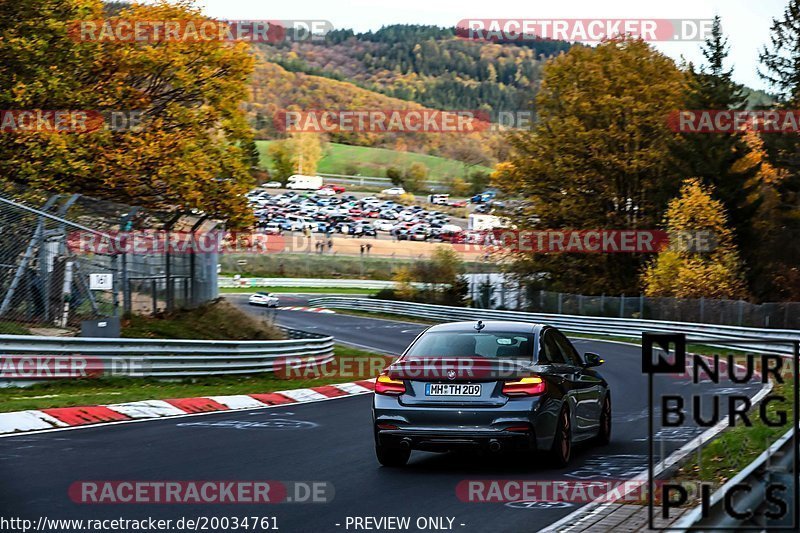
[[444, 428], [441, 439]]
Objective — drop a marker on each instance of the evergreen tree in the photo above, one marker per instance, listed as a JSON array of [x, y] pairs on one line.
[[711, 156]]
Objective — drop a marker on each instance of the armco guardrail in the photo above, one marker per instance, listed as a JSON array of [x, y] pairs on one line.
[[773, 466], [582, 324], [309, 282], [158, 358]]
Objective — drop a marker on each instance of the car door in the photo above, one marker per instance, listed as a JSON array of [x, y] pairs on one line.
[[556, 367], [588, 388]]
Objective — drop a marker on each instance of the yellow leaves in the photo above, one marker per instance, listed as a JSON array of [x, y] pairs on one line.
[[690, 274]]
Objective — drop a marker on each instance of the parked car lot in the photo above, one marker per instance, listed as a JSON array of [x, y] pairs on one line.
[[329, 212]]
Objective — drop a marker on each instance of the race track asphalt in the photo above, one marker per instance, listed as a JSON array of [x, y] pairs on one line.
[[328, 441]]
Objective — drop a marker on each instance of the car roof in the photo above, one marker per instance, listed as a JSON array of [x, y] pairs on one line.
[[506, 326]]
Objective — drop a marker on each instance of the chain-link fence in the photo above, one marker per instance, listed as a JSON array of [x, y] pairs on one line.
[[69, 258], [780, 315]]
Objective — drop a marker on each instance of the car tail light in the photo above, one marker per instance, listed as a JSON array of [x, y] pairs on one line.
[[386, 385], [530, 386]]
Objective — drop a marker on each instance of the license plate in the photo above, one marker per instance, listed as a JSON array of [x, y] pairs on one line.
[[452, 389]]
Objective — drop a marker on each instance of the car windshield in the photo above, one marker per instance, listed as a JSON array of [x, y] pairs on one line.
[[499, 345]]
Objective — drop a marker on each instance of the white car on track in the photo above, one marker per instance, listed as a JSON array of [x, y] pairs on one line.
[[266, 299], [394, 191]]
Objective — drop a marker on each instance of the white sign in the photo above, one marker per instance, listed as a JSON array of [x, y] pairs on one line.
[[101, 282]]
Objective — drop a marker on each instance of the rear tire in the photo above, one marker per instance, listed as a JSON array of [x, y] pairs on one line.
[[604, 433], [561, 452], [392, 457]]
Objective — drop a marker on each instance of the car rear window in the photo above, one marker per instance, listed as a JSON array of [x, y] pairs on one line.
[[496, 345]]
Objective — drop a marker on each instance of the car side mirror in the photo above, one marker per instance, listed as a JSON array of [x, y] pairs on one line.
[[592, 359]]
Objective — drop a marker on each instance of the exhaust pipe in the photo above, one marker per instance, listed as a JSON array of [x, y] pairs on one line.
[[405, 444], [494, 446]]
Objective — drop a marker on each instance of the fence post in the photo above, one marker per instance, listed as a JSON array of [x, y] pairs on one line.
[[622, 306], [602, 303], [168, 271], [580, 304], [559, 302], [154, 294], [641, 306], [703, 308], [741, 311]]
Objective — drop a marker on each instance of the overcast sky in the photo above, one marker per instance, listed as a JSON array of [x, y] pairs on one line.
[[745, 22]]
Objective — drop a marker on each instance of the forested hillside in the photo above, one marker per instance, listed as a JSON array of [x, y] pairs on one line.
[[425, 64], [274, 89]]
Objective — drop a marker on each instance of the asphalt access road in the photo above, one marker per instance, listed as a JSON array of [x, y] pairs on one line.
[[327, 441]]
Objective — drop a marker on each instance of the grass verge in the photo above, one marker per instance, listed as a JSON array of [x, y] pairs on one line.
[[73, 393], [10, 328], [218, 320], [739, 445]]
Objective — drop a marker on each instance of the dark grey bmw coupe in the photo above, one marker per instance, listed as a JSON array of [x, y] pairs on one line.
[[496, 385]]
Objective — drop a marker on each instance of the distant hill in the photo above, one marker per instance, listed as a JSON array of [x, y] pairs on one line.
[[275, 89], [425, 64]]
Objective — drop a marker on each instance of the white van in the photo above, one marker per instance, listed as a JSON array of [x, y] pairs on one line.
[[439, 199], [306, 183]]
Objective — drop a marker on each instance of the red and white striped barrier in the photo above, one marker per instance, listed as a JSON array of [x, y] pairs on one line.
[[62, 417], [307, 309]]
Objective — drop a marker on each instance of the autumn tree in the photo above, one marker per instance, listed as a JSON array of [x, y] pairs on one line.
[[780, 67], [599, 157], [189, 150], [306, 150], [769, 275], [415, 176], [282, 162], [685, 272]]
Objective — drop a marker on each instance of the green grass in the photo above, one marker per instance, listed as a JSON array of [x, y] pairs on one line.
[[117, 390], [298, 290], [368, 161], [10, 328], [738, 446], [218, 320]]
